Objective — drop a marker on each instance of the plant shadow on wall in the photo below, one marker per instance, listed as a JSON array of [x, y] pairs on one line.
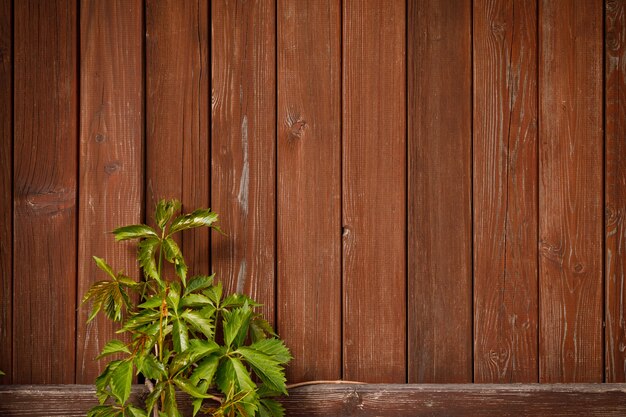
[[185, 334]]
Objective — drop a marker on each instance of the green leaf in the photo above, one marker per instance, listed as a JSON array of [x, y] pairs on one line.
[[214, 293], [236, 324], [238, 300], [206, 369], [243, 377], [225, 377], [103, 411], [121, 378], [267, 369], [199, 323], [151, 368], [197, 350], [151, 302], [135, 321], [2, 373], [136, 231], [146, 255], [173, 297], [195, 300], [136, 412], [260, 328], [171, 406], [165, 209], [152, 398], [113, 346], [109, 296], [271, 408], [187, 386], [274, 348], [199, 283], [174, 255], [198, 218], [180, 335], [101, 263]]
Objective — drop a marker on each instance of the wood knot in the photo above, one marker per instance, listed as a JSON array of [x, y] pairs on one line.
[[613, 215], [112, 167], [551, 252], [296, 129], [612, 41], [100, 138], [579, 268]]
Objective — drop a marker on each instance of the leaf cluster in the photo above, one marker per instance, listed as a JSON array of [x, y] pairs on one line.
[[185, 334]]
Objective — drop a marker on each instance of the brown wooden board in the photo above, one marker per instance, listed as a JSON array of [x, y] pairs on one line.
[[243, 146], [593, 400], [374, 195], [45, 186], [6, 184], [177, 112], [570, 191], [309, 181], [505, 191], [111, 177], [615, 190], [439, 191]]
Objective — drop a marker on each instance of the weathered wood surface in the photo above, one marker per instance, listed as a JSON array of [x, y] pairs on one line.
[[505, 191], [309, 187], [177, 114], [6, 186], [45, 190], [111, 155], [243, 147], [615, 190], [439, 210], [374, 191], [459, 400], [570, 192]]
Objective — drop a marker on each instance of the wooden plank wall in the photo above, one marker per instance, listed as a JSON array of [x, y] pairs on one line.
[[417, 191]]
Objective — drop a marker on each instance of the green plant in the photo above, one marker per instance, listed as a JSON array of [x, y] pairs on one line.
[[184, 334]]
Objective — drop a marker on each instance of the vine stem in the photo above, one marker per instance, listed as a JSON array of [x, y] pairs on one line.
[[338, 381]]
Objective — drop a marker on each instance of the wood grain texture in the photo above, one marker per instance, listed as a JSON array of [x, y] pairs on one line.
[[177, 112], [6, 187], [309, 182], [45, 184], [570, 191], [111, 157], [374, 195], [439, 191], [505, 191], [593, 400], [615, 190], [243, 146]]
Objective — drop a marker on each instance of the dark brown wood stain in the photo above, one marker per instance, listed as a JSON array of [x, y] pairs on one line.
[[505, 191], [111, 178], [570, 192], [309, 181], [615, 190], [374, 200], [45, 191], [243, 147], [439, 210]]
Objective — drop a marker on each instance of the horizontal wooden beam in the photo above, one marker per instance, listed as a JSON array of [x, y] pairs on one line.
[[459, 400]]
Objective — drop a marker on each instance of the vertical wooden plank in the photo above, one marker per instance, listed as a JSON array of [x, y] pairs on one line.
[[570, 191], [177, 124], [45, 165], [505, 191], [243, 146], [309, 182], [439, 191], [6, 200], [374, 205], [111, 177], [615, 189]]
